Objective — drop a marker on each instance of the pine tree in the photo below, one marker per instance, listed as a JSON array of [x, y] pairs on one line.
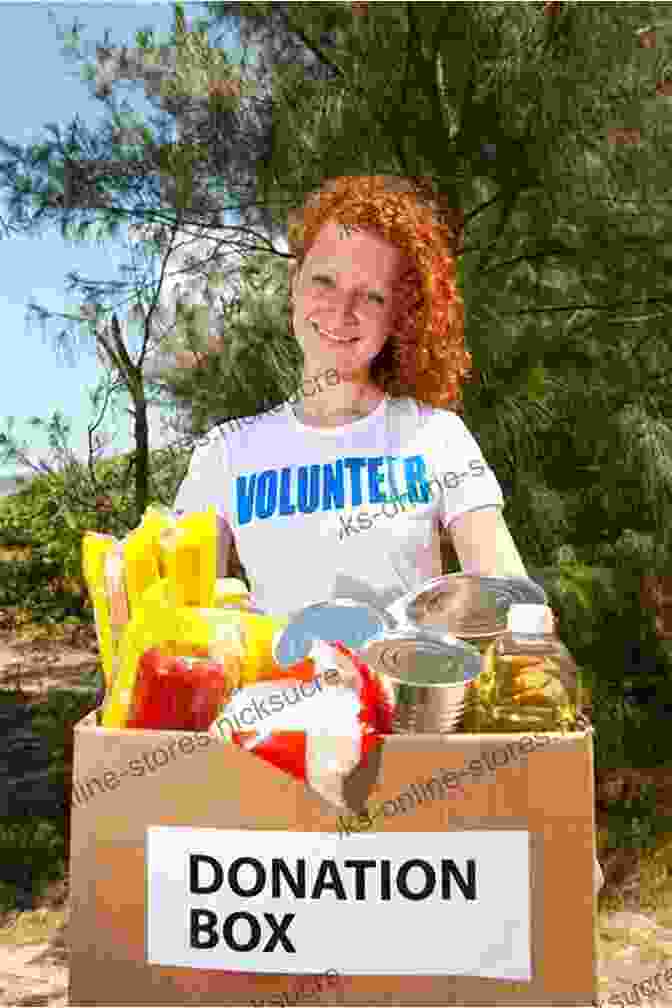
[[546, 126]]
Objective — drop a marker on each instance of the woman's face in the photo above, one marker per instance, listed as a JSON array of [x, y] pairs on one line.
[[349, 286]]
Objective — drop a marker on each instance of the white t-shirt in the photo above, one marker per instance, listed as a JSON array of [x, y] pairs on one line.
[[313, 510]]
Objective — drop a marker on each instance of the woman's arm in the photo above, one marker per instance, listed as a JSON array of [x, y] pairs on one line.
[[484, 545]]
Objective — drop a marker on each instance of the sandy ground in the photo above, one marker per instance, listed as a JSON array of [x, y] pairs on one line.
[[633, 948]]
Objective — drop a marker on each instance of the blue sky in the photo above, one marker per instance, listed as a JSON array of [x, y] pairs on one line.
[[39, 85]]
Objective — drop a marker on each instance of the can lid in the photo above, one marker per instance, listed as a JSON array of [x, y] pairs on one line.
[[351, 622], [470, 606], [423, 658], [529, 618]]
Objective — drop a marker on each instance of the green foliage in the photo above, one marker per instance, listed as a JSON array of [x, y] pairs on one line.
[[44, 516], [565, 269], [36, 844], [258, 363], [32, 852], [634, 823], [600, 618], [627, 736]]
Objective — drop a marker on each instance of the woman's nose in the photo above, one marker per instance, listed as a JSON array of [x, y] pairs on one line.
[[342, 307]]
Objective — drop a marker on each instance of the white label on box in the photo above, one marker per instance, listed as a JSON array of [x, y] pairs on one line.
[[269, 901]]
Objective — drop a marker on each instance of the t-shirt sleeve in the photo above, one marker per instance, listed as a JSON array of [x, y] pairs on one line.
[[205, 484], [466, 481]]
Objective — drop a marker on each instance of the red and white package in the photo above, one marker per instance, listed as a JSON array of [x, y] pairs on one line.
[[318, 730]]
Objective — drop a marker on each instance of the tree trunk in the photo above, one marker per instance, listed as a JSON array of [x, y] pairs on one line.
[[141, 454]]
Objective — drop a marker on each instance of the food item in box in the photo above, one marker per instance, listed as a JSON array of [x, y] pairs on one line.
[[260, 631], [532, 698], [188, 551], [117, 598], [141, 557], [119, 573], [468, 606], [478, 714], [158, 621], [514, 718], [317, 737], [231, 592], [95, 548], [349, 620], [174, 634], [529, 682], [178, 692]]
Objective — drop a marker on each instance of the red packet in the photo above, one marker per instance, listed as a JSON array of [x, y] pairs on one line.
[[317, 736]]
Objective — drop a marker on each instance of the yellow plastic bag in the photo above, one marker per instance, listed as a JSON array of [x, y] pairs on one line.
[[190, 629], [188, 551], [95, 550], [118, 573]]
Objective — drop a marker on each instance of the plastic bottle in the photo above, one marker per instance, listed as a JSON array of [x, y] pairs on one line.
[[535, 676]]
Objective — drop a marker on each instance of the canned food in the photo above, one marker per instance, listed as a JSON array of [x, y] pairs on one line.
[[469, 607], [346, 620], [432, 677]]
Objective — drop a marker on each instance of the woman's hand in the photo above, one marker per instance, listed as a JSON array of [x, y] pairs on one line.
[[484, 545]]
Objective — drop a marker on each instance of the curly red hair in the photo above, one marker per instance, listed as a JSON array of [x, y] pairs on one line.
[[425, 356]]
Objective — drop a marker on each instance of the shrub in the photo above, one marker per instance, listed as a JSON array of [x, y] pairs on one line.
[[51, 515]]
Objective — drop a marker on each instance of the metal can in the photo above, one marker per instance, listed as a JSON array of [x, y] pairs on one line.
[[346, 620], [433, 678], [470, 607]]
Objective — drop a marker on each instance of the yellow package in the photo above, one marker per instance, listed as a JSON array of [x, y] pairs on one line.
[[189, 558], [142, 555], [149, 589], [95, 548], [119, 572], [117, 602], [258, 631], [156, 623], [159, 622], [231, 591], [116, 574]]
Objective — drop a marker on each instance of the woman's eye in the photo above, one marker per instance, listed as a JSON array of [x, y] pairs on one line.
[[318, 278]]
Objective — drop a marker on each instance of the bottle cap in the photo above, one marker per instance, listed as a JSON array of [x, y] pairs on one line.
[[530, 619]]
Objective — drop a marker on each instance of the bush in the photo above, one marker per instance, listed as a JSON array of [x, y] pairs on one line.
[[33, 850], [32, 854], [42, 516], [601, 617]]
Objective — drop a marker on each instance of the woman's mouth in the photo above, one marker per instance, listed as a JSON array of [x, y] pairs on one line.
[[331, 338]]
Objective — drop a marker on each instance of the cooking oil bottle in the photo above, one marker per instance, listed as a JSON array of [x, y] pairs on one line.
[[534, 683]]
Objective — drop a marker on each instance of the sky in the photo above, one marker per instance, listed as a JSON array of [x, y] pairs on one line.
[[39, 85]]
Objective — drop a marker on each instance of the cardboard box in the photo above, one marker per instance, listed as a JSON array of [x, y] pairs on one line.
[[187, 857]]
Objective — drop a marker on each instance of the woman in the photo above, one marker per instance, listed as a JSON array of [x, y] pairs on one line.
[[339, 493]]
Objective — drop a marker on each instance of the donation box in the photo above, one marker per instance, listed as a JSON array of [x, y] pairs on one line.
[[201, 875]]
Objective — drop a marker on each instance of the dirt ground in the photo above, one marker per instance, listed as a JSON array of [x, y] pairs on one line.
[[33, 666], [634, 945], [33, 944]]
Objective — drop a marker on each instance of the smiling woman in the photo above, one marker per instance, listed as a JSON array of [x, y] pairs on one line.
[[374, 299], [385, 249], [345, 275]]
